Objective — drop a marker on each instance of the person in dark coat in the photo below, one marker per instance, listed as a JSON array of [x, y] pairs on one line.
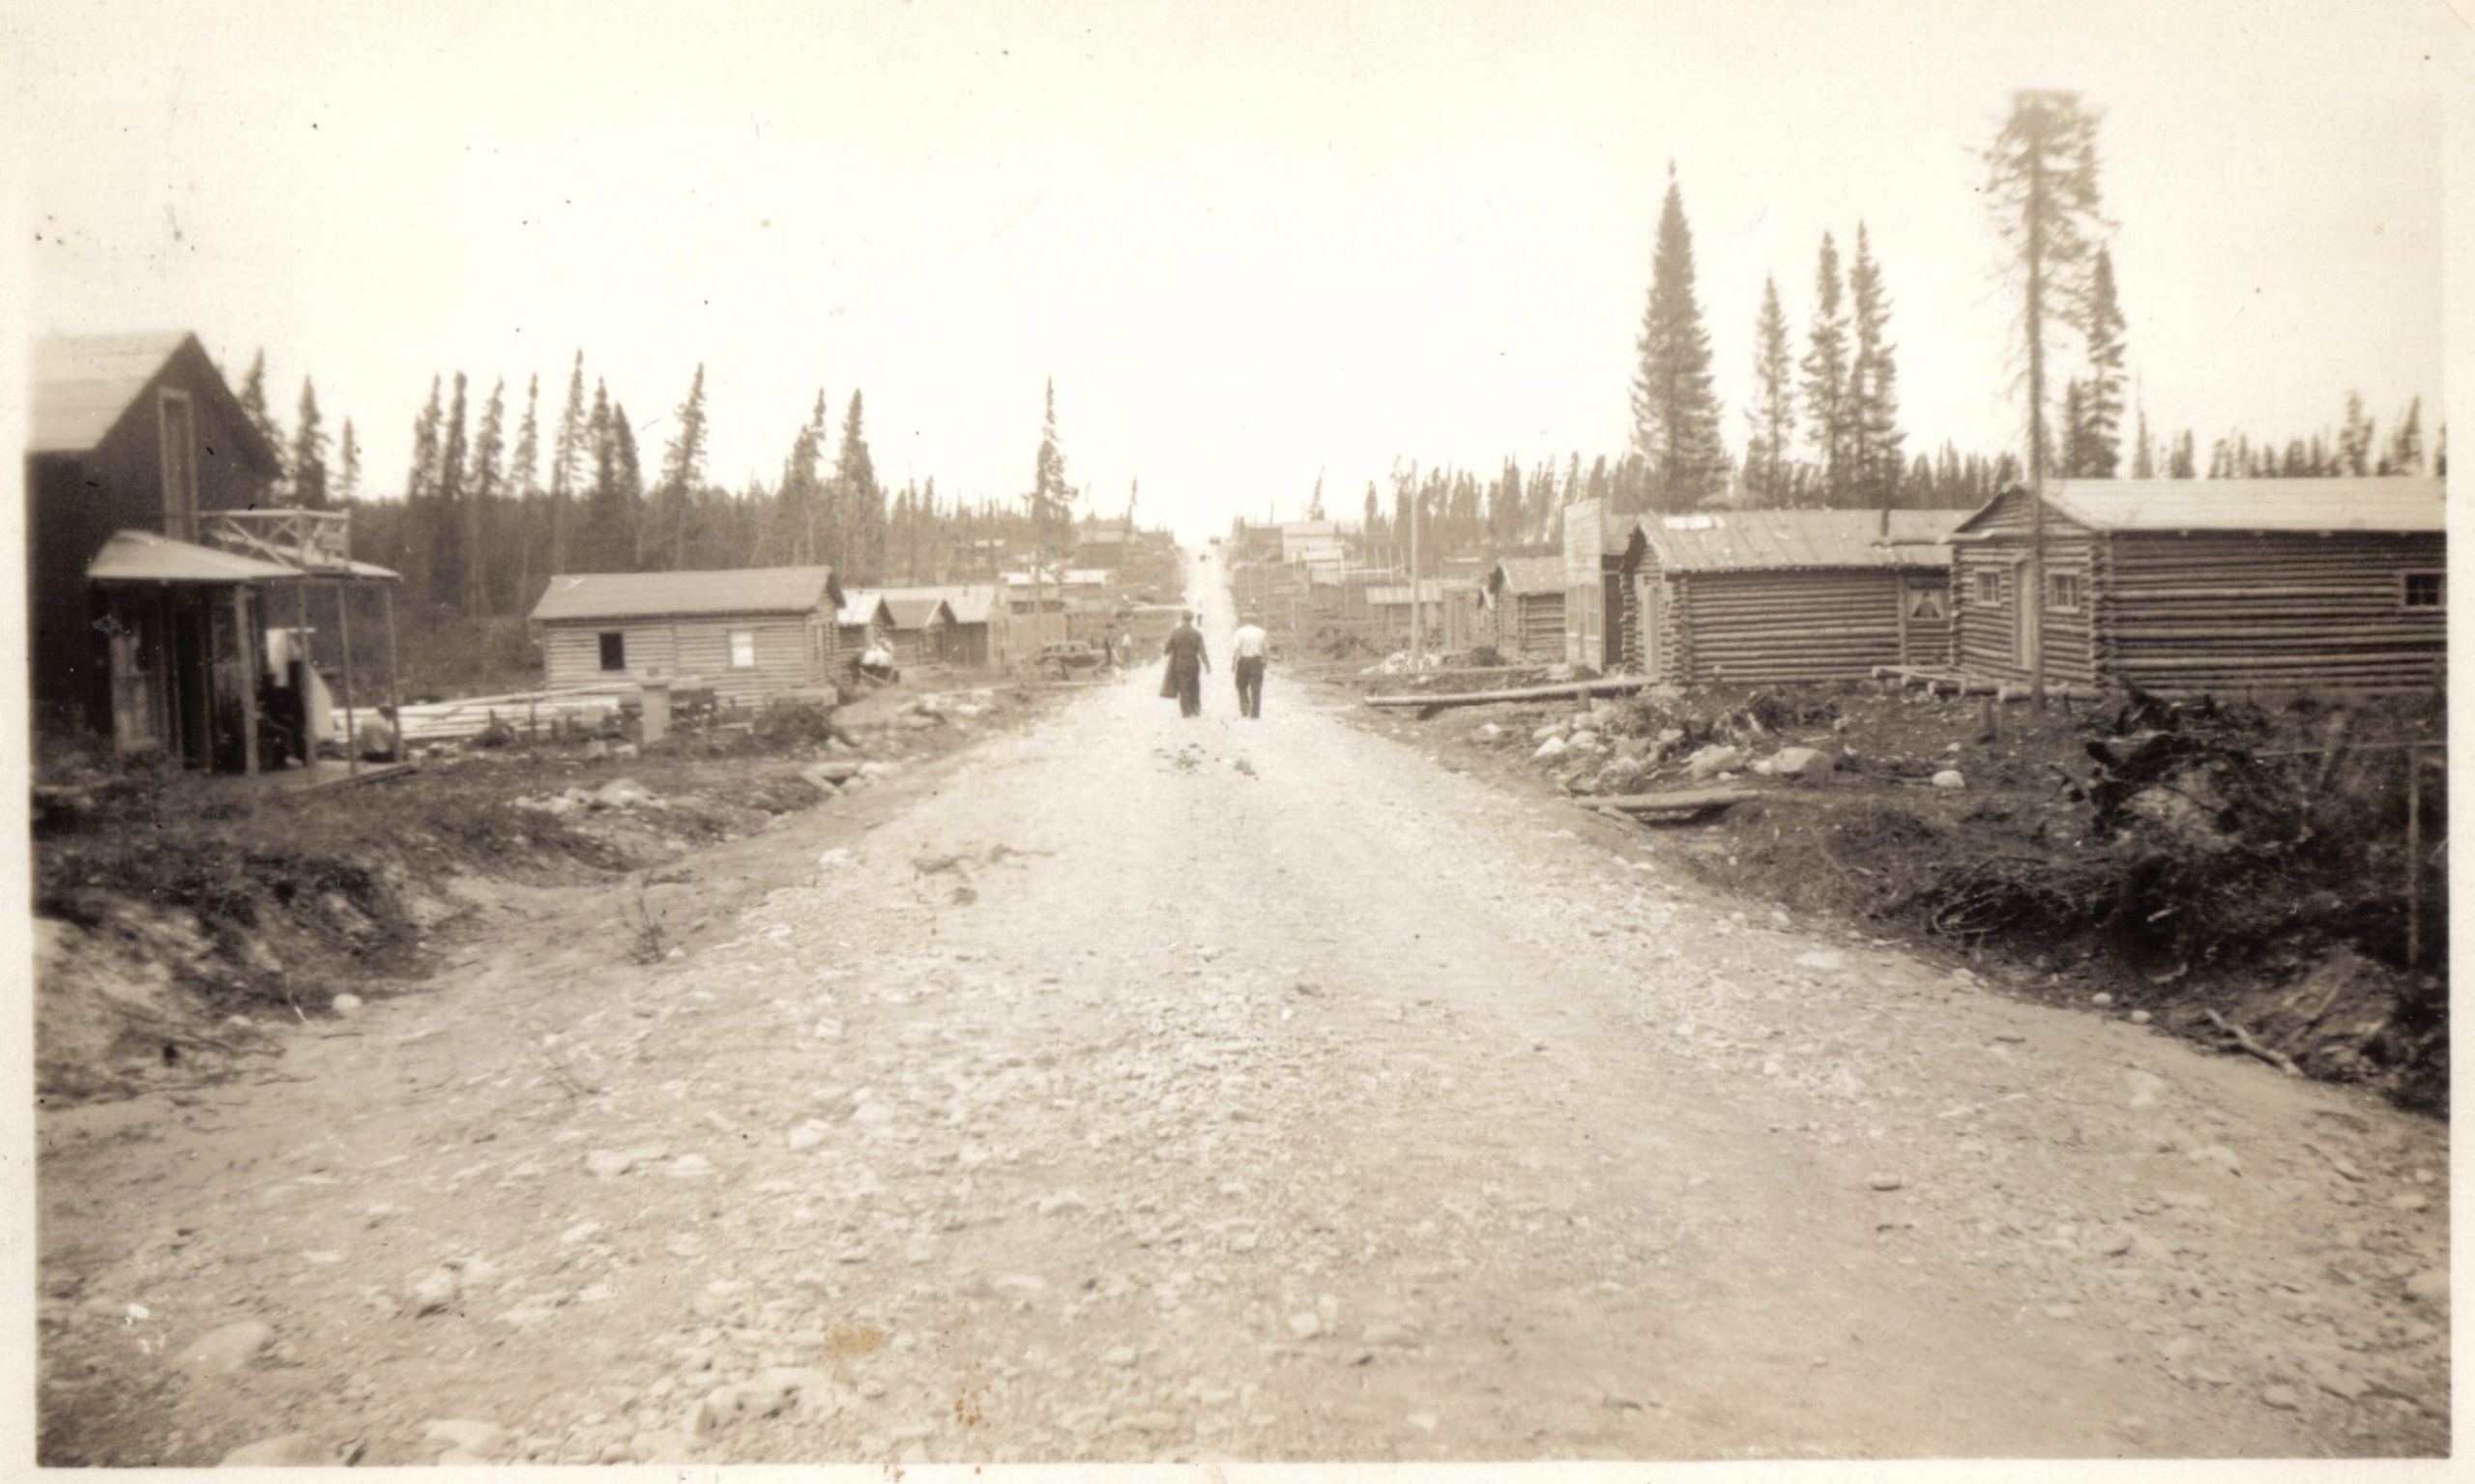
[[1187, 663]]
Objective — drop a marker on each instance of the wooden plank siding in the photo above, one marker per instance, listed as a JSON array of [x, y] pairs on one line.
[[1531, 625], [791, 654]]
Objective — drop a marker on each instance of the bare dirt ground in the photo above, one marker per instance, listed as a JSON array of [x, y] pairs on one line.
[[1131, 1088]]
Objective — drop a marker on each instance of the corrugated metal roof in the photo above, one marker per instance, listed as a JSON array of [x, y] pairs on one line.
[[1533, 574], [2394, 504], [83, 384], [911, 611], [1781, 540], [685, 595], [142, 556]]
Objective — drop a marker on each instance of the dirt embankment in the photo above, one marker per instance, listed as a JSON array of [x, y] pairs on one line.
[[2235, 872], [184, 924]]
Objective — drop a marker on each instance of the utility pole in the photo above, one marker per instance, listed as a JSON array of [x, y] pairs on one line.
[[1417, 619]]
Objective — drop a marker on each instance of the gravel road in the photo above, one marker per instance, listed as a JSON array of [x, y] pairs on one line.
[[1130, 1088]]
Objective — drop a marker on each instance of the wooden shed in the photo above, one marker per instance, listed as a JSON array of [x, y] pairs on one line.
[[746, 634], [921, 622], [2223, 584], [1788, 597], [976, 637], [1525, 596]]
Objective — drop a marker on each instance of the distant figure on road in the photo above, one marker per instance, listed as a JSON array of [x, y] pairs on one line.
[[1251, 647], [1187, 663]]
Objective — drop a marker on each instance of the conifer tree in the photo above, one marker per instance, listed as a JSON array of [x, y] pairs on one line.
[[2354, 445], [1874, 436], [1773, 413], [1675, 414], [2182, 463], [449, 557], [2144, 456], [1315, 499], [421, 481], [310, 453], [2405, 453], [2096, 440], [348, 466], [523, 488], [682, 471], [855, 475], [569, 452], [1049, 491], [253, 405], [1825, 388], [480, 502]]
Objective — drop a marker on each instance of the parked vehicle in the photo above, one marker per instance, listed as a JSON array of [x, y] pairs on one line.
[[1067, 658]]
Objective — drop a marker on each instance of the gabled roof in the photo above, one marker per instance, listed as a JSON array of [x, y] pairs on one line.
[[84, 384], [686, 594], [2376, 503], [142, 556], [1785, 540], [911, 611], [864, 605], [967, 604], [1533, 574]]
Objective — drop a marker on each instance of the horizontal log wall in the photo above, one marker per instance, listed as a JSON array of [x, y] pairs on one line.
[[1778, 628], [1988, 646], [2225, 610]]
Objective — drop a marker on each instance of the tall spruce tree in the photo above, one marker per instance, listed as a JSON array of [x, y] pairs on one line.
[[1874, 434], [854, 474], [347, 465], [2096, 439], [449, 558], [252, 397], [310, 453], [1773, 413], [2143, 452], [682, 472], [2406, 451], [2041, 185], [1825, 388], [421, 482], [569, 452], [482, 500], [523, 490], [1675, 413], [2354, 445], [1049, 492]]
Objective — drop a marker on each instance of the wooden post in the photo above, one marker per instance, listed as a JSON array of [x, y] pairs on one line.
[[394, 691], [1898, 595], [343, 632], [2414, 858]]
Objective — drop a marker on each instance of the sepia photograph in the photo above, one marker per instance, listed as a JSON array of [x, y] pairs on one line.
[[922, 738]]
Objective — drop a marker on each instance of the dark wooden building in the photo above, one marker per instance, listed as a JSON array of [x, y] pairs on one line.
[[2223, 584], [1788, 597], [154, 566], [921, 626]]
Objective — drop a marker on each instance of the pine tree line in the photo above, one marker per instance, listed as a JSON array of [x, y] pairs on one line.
[[487, 519]]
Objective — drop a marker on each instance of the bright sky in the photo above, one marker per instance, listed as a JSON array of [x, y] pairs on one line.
[[1249, 243]]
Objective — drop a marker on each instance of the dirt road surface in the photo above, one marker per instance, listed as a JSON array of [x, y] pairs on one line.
[[1132, 1089]]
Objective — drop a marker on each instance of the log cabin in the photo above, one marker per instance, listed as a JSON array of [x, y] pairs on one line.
[[2188, 587], [746, 634], [1526, 597], [1787, 596], [921, 624]]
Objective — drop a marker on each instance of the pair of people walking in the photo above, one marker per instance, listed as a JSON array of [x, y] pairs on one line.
[[1188, 660]]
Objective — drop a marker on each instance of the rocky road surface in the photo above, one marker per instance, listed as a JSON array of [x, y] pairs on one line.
[[1132, 1089]]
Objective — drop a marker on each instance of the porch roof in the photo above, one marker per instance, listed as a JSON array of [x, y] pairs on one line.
[[142, 556]]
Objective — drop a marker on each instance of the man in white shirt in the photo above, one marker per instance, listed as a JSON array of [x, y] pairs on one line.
[[1252, 646]]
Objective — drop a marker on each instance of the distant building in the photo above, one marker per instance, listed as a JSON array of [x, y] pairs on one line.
[[921, 624], [744, 634], [2187, 586], [1312, 540], [1526, 597]]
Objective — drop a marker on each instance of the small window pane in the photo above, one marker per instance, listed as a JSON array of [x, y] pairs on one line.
[[1988, 589], [743, 649], [2427, 590], [614, 652], [2063, 592]]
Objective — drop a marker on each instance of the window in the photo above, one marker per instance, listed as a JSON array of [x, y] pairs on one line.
[[2062, 591], [614, 652], [1928, 603], [2427, 590], [1989, 589], [743, 649], [179, 429]]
